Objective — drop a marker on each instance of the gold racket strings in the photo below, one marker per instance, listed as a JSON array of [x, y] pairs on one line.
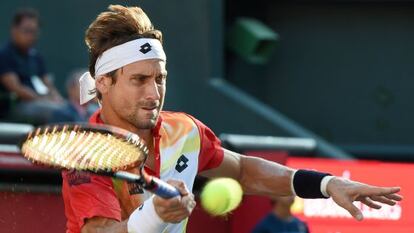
[[83, 150]]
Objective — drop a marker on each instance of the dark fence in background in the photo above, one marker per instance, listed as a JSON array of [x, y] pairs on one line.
[[343, 69]]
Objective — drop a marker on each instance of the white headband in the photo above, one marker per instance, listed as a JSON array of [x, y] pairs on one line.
[[117, 57]]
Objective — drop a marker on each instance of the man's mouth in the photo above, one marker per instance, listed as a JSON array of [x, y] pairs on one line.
[[150, 108]]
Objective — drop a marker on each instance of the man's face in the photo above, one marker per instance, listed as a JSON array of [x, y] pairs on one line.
[[137, 96], [25, 34]]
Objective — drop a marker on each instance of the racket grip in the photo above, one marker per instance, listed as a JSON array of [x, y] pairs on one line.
[[162, 188], [150, 183]]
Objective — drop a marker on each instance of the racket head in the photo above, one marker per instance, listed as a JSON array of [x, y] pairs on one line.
[[84, 147]]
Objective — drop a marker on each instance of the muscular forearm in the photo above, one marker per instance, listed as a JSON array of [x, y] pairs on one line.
[[263, 177], [256, 175]]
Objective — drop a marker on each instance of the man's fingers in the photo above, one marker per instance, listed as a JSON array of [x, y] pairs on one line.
[[353, 210], [378, 191], [370, 203], [182, 188], [394, 196], [188, 202], [168, 203], [175, 209], [176, 217], [184, 209], [171, 204], [383, 200]]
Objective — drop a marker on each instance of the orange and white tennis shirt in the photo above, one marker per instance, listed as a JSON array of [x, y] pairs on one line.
[[183, 147]]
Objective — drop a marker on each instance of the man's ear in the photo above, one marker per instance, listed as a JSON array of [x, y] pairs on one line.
[[103, 83]]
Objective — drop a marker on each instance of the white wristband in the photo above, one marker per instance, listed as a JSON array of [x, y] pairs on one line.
[[145, 220], [324, 185], [292, 187]]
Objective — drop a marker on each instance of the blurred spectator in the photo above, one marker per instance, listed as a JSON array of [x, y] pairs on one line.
[[23, 74], [72, 110], [281, 220]]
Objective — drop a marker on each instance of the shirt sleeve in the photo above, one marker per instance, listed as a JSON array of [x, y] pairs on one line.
[[90, 196], [211, 152]]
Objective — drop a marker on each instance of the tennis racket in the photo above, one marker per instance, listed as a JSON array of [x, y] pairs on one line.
[[101, 149]]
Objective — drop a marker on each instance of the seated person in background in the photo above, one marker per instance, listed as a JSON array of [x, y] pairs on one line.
[[23, 73], [72, 110], [280, 219]]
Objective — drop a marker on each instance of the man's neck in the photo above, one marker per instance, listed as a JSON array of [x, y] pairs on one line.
[[20, 49]]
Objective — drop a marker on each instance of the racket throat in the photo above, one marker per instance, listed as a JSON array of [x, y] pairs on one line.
[[132, 178]]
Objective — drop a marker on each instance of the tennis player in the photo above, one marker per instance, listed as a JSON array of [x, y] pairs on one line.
[[127, 74]]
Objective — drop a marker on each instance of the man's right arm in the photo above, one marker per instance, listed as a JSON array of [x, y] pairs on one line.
[[172, 210], [11, 82]]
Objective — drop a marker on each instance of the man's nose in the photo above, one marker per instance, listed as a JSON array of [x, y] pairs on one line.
[[153, 92]]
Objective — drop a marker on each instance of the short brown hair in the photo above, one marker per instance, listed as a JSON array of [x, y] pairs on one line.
[[114, 27], [24, 13]]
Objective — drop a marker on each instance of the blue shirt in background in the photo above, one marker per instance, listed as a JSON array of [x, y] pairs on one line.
[[272, 224], [25, 65]]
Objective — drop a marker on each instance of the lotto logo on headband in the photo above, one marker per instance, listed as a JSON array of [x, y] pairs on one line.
[[145, 48], [124, 54]]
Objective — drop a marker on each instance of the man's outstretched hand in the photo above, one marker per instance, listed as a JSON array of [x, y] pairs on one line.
[[344, 192]]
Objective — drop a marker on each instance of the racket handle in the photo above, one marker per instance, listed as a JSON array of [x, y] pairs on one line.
[[162, 188], [150, 183]]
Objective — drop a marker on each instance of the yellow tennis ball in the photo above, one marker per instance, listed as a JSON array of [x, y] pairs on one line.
[[221, 196]]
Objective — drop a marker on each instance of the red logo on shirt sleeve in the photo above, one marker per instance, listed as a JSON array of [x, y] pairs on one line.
[[78, 177]]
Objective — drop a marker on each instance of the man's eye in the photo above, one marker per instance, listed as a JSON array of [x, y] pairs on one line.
[[139, 79], [161, 79]]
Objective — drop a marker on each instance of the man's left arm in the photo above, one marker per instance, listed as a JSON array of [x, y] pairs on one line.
[[256, 175], [263, 177]]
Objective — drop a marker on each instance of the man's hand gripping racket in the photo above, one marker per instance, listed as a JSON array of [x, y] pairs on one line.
[[100, 149]]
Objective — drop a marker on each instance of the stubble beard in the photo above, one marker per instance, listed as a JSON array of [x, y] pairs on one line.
[[140, 123]]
